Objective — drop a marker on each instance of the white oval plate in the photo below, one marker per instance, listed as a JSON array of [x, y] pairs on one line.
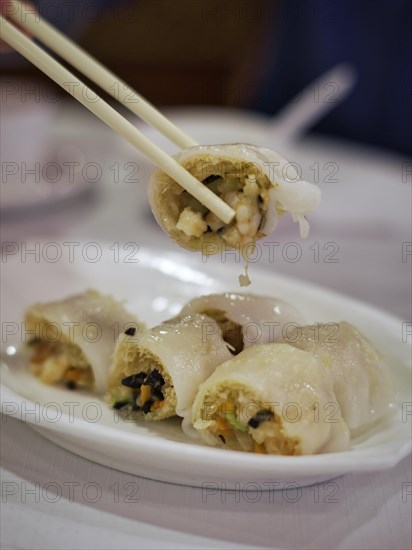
[[155, 285]]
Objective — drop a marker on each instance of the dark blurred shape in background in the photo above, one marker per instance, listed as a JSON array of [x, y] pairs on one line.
[[375, 36], [255, 54]]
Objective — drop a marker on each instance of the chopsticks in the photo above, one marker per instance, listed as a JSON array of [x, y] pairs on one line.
[[87, 97]]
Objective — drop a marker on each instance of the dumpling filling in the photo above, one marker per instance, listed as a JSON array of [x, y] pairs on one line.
[[60, 363], [248, 195], [238, 422], [147, 391], [231, 331]]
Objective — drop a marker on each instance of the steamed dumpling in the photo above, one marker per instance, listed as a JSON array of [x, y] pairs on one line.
[[256, 182], [156, 374], [247, 319], [75, 339], [271, 399], [361, 377]]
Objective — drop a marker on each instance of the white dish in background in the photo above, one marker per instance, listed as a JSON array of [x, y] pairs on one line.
[[49, 155], [155, 286], [208, 125]]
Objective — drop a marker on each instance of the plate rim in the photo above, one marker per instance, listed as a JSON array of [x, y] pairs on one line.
[[331, 463]]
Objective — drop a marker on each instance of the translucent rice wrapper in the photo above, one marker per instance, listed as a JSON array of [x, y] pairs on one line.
[[294, 385], [83, 330], [361, 377], [247, 319]]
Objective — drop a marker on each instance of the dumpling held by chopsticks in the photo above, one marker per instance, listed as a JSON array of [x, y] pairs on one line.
[[256, 182]]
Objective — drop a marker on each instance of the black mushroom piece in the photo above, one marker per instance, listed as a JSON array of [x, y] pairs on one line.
[[134, 381], [210, 179], [120, 404], [262, 416]]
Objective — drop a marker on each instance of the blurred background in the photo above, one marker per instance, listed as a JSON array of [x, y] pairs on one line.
[[327, 83], [254, 54]]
